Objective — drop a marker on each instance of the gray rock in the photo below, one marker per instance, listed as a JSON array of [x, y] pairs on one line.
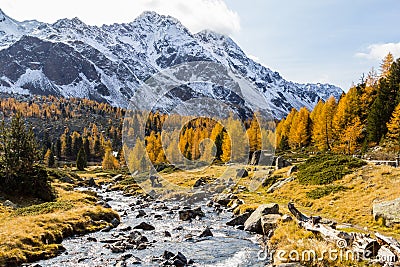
[[144, 226], [106, 205], [253, 223], [239, 220], [242, 173], [224, 199], [269, 222], [10, 204], [389, 211], [91, 239], [141, 246], [200, 182], [189, 214], [120, 264], [167, 255], [141, 213], [181, 258], [207, 232], [67, 179], [133, 261], [167, 234], [262, 158], [92, 183], [115, 222], [126, 228], [286, 218], [281, 163]]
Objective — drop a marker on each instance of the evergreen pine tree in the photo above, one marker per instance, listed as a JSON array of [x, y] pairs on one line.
[[81, 161], [58, 148], [18, 150], [18, 147]]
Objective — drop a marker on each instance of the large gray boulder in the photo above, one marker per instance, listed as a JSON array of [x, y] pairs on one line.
[[239, 220], [389, 211], [253, 223], [224, 199], [189, 214]]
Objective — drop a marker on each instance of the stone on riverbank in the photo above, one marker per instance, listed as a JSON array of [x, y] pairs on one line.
[[253, 223]]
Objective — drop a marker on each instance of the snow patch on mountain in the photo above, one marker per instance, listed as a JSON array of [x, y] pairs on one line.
[[109, 63]]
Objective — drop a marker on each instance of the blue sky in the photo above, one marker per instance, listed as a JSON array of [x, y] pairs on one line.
[[329, 41], [319, 40]]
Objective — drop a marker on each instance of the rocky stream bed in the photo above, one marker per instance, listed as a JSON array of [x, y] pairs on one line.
[[161, 233]]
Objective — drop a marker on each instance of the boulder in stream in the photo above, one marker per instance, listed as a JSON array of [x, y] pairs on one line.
[[189, 214], [206, 233], [179, 260], [239, 220], [253, 223], [224, 199], [144, 226], [115, 222]]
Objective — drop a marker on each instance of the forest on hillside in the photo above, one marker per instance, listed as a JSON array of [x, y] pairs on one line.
[[367, 116]]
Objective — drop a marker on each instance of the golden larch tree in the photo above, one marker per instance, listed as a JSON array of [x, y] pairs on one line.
[[394, 126]]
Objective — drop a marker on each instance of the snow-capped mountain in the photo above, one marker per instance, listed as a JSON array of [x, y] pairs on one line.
[[108, 63]]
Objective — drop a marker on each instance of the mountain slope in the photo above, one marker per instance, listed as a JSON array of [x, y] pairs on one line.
[[108, 63]]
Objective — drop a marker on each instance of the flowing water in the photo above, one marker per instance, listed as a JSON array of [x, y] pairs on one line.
[[227, 247]]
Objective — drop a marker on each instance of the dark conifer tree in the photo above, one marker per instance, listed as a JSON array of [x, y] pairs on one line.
[[81, 161]]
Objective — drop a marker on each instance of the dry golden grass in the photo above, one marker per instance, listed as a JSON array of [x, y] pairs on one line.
[[368, 185], [36, 231], [351, 207]]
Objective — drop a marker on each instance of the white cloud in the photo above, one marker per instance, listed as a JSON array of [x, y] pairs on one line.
[[194, 14], [379, 51]]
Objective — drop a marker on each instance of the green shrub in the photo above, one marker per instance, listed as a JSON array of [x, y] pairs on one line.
[[34, 182], [47, 207], [325, 191], [321, 170]]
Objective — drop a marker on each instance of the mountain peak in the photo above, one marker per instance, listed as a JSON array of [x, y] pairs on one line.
[[156, 18], [3, 16]]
